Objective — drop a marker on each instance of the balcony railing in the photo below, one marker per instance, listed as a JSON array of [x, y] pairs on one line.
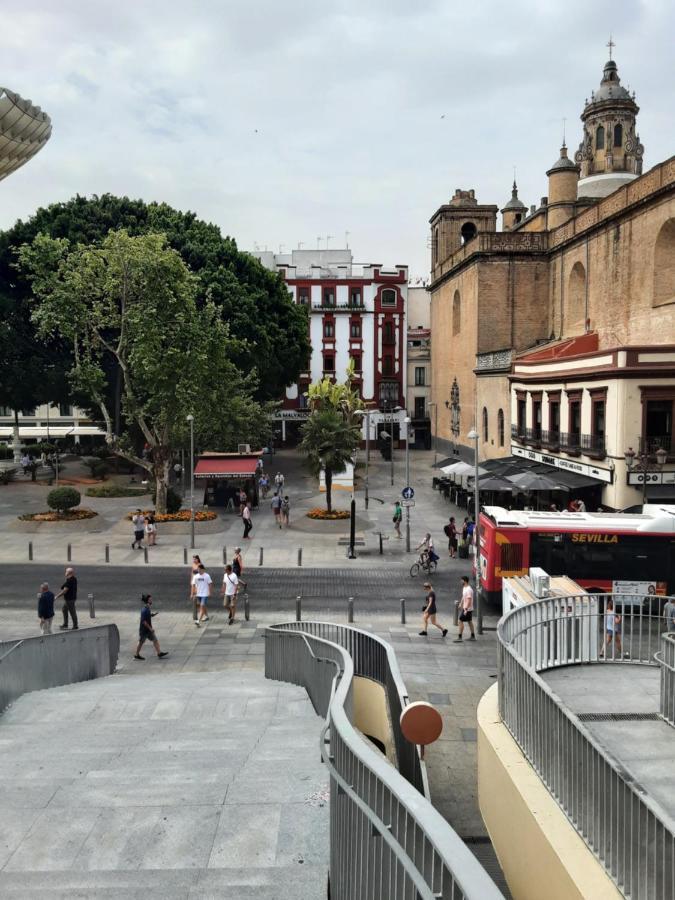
[[387, 840], [651, 444], [338, 307], [630, 833], [550, 439]]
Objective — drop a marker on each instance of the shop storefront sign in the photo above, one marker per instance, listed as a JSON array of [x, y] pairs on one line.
[[568, 465]]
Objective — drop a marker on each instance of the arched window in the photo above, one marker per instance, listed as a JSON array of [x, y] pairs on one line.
[[519, 217], [456, 313], [388, 297], [575, 308], [600, 138], [500, 427], [468, 232], [664, 265], [618, 135], [485, 425], [434, 247]]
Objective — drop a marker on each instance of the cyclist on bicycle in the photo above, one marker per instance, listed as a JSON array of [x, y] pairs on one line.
[[427, 550]]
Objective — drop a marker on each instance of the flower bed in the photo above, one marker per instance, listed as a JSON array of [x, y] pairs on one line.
[[71, 515], [320, 513], [182, 515]]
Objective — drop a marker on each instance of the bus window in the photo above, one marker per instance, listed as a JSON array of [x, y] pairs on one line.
[[548, 552], [511, 558]]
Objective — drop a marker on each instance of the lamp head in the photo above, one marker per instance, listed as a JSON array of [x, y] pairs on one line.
[[661, 456], [473, 435], [190, 418], [629, 456]]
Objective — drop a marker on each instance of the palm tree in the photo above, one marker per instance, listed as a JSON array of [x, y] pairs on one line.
[[329, 439]]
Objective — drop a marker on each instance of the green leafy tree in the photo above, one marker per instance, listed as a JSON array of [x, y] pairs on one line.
[[130, 303], [271, 331], [63, 498], [332, 430]]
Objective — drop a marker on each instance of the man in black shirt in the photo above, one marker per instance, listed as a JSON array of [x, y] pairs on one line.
[[69, 593], [145, 630]]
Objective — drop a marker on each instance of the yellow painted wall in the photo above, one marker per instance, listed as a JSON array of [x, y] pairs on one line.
[[540, 853]]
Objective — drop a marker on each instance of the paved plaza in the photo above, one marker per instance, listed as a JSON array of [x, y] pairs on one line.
[[217, 664]]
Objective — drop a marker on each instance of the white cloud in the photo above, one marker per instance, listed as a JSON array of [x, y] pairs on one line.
[[284, 121]]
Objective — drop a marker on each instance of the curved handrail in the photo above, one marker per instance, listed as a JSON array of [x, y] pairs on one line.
[[578, 771], [420, 854]]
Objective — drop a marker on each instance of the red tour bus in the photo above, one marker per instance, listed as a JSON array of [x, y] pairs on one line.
[[603, 552]]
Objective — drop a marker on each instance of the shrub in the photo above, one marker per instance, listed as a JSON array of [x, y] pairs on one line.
[[174, 500], [115, 490], [97, 467], [6, 452], [320, 513], [39, 448], [7, 475], [63, 498]]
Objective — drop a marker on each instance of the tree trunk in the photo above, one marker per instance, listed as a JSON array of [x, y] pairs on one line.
[[161, 476], [328, 474]]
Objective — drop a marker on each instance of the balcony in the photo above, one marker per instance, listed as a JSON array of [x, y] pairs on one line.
[[550, 439], [574, 444], [339, 307], [652, 443]]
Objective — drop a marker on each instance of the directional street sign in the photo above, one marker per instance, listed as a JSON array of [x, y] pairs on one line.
[[407, 504], [407, 493]]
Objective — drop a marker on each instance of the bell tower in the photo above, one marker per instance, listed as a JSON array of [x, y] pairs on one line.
[[457, 223], [610, 153]]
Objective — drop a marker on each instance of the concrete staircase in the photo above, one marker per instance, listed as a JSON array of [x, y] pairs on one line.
[[167, 785]]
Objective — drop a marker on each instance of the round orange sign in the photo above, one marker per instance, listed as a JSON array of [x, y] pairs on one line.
[[421, 723]]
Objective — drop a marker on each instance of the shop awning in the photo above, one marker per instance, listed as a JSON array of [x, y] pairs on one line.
[[234, 467]]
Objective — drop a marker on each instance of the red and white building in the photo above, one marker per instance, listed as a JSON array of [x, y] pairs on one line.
[[355, 311]]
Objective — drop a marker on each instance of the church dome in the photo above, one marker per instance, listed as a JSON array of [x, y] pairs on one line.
[[514, 203], [563, 163], [610, 86]]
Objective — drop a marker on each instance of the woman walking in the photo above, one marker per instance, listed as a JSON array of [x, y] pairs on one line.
[[398, 515], [612, 632], [429, 611], [238, 566], [150, 529], [286, 511]]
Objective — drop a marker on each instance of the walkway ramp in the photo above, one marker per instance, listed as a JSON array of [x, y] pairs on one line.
[[167, 786]]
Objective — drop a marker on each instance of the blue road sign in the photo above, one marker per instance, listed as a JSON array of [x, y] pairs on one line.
[[407, 493]]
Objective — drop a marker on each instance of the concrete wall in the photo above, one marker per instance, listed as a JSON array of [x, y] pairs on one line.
[[371, 713], [38, 663], [539, 851]]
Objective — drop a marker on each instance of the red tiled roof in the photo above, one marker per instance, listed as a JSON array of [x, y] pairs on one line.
[[234, 467]]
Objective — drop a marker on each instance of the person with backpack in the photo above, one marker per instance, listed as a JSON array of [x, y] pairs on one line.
[[398, 516], [451, 533]]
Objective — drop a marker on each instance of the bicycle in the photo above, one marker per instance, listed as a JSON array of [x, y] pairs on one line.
[[424, 563]]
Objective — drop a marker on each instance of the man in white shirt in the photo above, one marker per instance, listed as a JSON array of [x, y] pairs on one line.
[[138, 525], [466, 610], [229, 591], [201, 591]]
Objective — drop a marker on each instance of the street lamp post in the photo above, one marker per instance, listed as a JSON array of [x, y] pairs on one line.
[[643, 464], [407, 481], [473, 436], [435, 406], [391, 434], [191, 420]]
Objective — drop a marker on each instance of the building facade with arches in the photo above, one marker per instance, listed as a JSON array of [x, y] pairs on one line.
[[559, 330]]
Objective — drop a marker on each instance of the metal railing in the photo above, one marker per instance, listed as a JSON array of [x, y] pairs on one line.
[[386, 839], [651, 443], [38, 663], [631, 835], [666, 659]]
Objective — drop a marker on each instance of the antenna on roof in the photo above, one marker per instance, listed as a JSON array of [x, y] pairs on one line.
[[318, 241], [329, 237], [300, 245], [347, 233]]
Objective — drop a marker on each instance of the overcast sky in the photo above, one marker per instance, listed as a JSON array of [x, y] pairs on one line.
[[281, 121]]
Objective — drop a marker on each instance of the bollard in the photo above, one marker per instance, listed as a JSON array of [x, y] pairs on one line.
[[247, 608], [350, 609], [70, 553], [107, 553], [92, 610], [402, 611], [298, 609], [260, 561], [145, 554], [381, 548], [224, 556], [30, 550], [299, 556], [185, 556]]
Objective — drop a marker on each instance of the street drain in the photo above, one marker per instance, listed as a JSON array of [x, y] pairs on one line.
[[619, 717]]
